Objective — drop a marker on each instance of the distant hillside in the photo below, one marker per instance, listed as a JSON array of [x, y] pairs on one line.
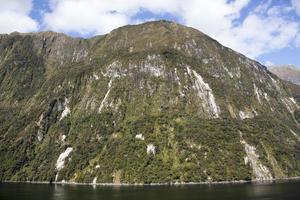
[[287, 72]]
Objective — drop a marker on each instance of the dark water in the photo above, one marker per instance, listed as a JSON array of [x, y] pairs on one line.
[[282, 191]]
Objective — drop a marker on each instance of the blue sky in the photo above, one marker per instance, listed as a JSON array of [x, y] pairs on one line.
[[266, 30]]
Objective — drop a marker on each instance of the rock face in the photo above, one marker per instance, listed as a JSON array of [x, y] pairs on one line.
[[287, 72], [150, 103]]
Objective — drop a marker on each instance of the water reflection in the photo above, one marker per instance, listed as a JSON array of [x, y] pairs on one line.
[[58, 192], [261, 190], [286, 191]]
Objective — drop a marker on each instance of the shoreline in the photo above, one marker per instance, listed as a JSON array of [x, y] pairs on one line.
[[160, 184]]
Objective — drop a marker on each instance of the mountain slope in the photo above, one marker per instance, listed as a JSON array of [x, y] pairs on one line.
[[156, 102]]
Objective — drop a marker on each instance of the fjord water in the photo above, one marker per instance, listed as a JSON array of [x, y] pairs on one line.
[[272, 191]]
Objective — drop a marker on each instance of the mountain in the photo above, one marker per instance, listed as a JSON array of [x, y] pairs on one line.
[[151, 103], [287, 72], [290, 74]]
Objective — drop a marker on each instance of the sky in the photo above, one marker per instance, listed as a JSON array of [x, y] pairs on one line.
[[265, 30]]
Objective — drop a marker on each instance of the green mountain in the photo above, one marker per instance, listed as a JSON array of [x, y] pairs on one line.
[[151, 103]]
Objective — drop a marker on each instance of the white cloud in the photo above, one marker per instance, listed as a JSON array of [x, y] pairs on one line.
[[260, 34], [100, 16], [265, 29], [297, 40], [89, 16], [269, 63], [84, 17], [14, 16], [296, 6], [211, 17]]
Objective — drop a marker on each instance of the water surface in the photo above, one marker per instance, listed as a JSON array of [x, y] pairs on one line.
[[271, 191]]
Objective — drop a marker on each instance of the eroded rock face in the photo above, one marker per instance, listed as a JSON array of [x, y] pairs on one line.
[[61, 159], [205, 94], [260, 171], [60, 163], [138, 103], [66, 110], [151, 149]]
